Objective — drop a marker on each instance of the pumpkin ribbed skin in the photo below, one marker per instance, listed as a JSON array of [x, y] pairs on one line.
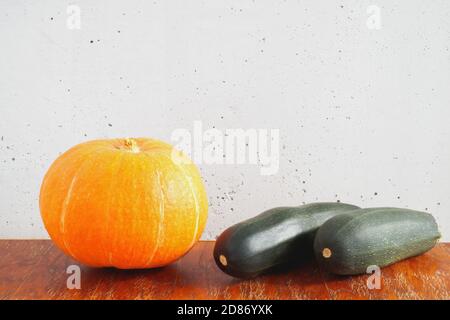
[[123, 203]]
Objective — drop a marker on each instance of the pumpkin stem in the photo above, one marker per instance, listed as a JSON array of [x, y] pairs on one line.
[[131, 145]]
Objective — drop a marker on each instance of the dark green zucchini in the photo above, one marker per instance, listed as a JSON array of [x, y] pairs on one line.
[[274, 237], [349, 243]]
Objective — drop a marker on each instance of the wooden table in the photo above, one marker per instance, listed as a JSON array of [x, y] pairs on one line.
[[36, 269]]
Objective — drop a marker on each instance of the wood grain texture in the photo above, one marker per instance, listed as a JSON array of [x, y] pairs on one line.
[[36, 269]]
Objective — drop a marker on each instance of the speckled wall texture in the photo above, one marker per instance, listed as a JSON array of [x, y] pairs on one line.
[[359, 91]]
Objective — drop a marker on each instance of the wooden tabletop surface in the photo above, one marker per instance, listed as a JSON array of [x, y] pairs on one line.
[[36, 269]]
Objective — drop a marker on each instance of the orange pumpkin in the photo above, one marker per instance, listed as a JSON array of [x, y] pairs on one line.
[[124, 203]]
